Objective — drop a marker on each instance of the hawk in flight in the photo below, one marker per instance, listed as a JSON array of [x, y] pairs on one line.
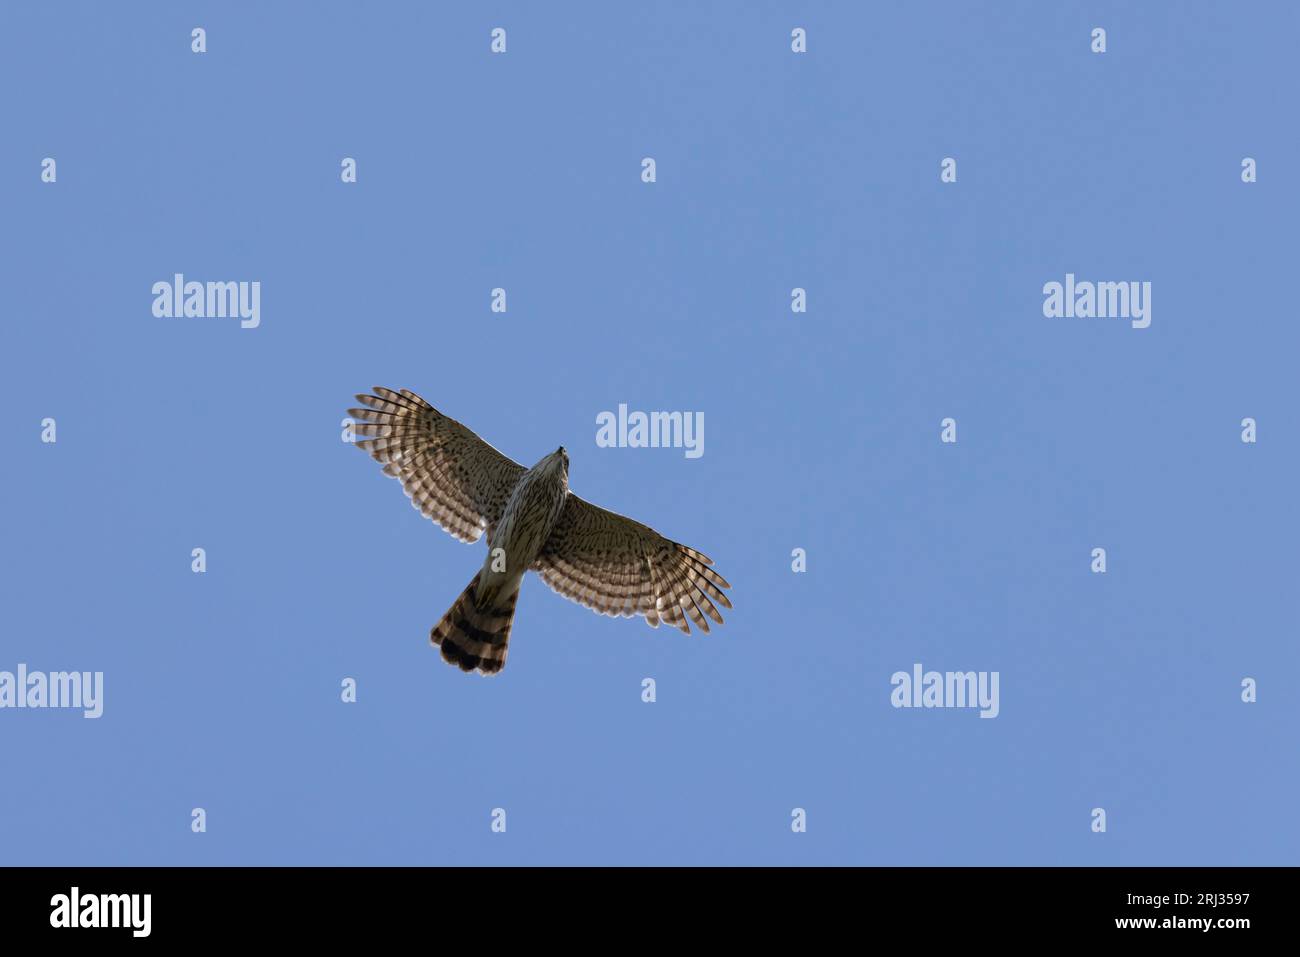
[[609, 563]]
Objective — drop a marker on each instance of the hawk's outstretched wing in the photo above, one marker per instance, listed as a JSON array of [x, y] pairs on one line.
[[616, 566], [449, 473]]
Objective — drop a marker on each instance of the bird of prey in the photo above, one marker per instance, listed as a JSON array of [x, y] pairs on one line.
[[600, 559]]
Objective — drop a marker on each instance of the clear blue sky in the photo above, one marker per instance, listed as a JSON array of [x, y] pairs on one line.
[[775, 170]]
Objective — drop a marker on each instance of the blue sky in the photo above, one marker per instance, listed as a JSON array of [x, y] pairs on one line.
[[774, 170]]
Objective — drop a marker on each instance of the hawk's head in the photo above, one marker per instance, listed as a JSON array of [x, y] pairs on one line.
[[557, 463]]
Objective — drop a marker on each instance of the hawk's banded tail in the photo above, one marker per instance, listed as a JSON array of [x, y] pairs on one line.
[[474, 632]]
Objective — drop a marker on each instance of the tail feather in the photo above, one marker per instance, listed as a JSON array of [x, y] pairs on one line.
[[474, 635]]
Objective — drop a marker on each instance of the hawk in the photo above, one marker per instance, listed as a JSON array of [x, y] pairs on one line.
[[592, 556]]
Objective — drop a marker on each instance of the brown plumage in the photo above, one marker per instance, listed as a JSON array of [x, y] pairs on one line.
[[474, 632], [605, 561]]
